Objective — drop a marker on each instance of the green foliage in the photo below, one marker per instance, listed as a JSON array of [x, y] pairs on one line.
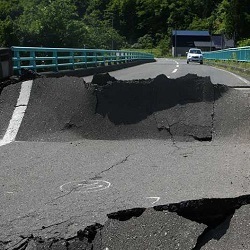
[[233, 18], [114, 23], [244, 42], [145, 42], [164, 45], [56, 23]]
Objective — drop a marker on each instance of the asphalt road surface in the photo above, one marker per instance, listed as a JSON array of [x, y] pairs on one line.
[[59, 174]]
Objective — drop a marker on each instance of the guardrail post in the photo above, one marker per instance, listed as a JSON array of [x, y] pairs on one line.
[[94, 59], [247, 55], [55, 60], [17, 61], [84, 54], [103, 58], [72, 60], [117, 57], [33, 60]]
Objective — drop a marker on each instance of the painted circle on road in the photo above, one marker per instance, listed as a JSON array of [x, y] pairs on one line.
[[85, 186]]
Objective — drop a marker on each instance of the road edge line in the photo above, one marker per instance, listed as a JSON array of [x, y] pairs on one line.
[[239, 77], [18, 114]]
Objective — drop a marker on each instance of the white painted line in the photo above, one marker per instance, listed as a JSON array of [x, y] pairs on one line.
[[18, 113], [174, 71], [85, 186], [177, 65], [239, 77], [155, 198]]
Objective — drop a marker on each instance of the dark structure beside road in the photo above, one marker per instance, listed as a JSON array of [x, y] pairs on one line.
[[183, 40]]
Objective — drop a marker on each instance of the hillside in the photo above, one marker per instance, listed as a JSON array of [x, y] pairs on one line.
[[118, 23]]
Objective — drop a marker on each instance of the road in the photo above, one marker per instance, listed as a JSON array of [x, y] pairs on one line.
[[55, 183], [177, 68]]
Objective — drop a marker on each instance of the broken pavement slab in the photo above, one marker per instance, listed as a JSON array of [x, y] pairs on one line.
[[231, 234], [152, 230], [196, 116], [184, 109], [116, 110], [205, 224]]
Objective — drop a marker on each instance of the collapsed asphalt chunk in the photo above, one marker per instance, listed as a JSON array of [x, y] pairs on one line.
[[184, 109], [152, 230], [183, 106], [195, 224]]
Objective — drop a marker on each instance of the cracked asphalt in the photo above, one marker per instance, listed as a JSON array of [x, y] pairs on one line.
[[72, 168]]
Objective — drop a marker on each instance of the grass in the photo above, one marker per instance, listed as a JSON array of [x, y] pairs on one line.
[[241, 68]]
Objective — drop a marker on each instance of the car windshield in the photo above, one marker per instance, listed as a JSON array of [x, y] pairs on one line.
[[195, 51]]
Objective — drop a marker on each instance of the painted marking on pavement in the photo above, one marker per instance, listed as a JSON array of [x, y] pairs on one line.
[[18, 113], [85, 186], [239, 77], [174, 71], [155, 198]]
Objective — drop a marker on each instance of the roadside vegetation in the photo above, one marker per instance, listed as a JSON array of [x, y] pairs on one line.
[[131, 24], [241, 68]]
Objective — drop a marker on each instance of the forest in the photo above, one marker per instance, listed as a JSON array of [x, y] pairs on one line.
[[107, 24]]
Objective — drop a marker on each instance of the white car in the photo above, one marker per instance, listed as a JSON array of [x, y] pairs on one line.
[[194, 55]]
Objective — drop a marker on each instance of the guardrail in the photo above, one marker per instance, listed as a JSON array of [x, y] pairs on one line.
[[42, 59], [241, 54]]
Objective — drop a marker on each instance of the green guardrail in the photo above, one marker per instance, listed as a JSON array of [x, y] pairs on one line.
[[42, 59], [241, 54]]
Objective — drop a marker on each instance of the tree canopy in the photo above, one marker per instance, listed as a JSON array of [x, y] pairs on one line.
[[117, 23]]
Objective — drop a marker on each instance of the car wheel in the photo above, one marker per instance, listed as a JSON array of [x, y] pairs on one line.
[[187, 62], [201, 62]]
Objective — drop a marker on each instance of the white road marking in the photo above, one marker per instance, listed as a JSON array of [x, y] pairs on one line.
[[174, 71], [156, 199], [85, 186], [18, 113], [239, 77]]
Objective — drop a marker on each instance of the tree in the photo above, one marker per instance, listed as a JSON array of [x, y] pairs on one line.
[[101, 34], [47, 23], [233, 16], [9, 9], [152, 16], [125, 18]]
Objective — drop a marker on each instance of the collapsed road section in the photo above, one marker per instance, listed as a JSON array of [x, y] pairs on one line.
[[196, 224], [187, 108]]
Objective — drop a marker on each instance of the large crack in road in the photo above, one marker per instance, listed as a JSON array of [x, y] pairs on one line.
[[193, 224], [186, 108], [183, 107]]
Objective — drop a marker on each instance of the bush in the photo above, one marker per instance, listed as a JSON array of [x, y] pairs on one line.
[[164, 45], [244, 42]]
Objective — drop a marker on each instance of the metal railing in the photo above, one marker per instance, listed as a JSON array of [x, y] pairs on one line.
[[241, 54], [55, 59]]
